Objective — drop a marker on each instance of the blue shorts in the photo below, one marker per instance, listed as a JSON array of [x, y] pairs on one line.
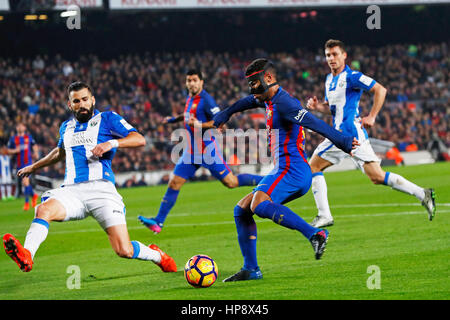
[[287, 182], [188, 164]]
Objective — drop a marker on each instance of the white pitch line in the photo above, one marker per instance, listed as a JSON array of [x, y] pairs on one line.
[[339, 206], [177, 225]]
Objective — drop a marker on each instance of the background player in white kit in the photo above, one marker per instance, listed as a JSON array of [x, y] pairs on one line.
[[5, 175], [343, 90], [88, 143]]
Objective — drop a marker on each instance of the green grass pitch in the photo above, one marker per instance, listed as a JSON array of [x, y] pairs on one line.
[[374, 226]]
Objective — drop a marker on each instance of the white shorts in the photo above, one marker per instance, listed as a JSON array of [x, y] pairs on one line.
[[98, 199], [362, 154], [6, 179]]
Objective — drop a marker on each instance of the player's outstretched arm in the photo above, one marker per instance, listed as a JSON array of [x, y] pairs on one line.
[[194, 122], [13, 151], [173, 119], [378, 99], [345, 143], [313, 104], [243, 104], [306, 119], [56, 155], [132, 140]]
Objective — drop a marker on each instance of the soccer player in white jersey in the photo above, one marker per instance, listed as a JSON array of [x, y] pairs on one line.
[[88, 142], [5, 175], [343, 90]]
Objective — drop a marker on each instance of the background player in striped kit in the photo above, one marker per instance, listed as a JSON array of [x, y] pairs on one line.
[[23, 146], [291, 177], [5, 175], [343, 90], [199, 110], [87, 142]]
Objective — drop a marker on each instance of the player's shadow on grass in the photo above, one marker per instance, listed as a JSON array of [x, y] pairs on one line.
[[92, 277]]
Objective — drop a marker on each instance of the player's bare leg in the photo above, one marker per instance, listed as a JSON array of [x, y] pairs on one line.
[[121, 244], [50, 210], [155, 224], [319, 189], [378, 176], [230, 181], [244, 179]]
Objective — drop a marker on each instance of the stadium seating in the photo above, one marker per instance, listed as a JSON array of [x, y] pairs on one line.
[[146, 88]]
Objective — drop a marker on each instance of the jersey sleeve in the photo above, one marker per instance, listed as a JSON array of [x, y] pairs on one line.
[[249, 102], [11, 143], [293, 111], [118, 126], [325, 89], [61, 135], [211, 108], [360, 81], [32, 141]]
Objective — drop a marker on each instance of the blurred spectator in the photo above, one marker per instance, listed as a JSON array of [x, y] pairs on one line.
[[145, 88], [134, 182]]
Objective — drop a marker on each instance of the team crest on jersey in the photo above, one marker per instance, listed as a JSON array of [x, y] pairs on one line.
[[269, 113], [93, 123]]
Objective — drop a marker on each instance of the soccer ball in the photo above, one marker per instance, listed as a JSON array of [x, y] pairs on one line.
[[201, 271]]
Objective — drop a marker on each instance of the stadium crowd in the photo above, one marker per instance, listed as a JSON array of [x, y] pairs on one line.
[[146, 88]]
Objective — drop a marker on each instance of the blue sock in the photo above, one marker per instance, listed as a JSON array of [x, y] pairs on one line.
[[286, 217], [27, 193], [168, 201], [246, 230], [247, 179]]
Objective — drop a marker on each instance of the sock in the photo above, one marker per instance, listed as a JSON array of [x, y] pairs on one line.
[[319, 189], [142, 252], [247, 179], [27, 193], [8, 191], [246, 231], [286, 217], [167, 202], [399, 183], [3, 191], [36, 235]]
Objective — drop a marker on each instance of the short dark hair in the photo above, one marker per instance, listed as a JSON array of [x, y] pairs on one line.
[[192, 72], [77, 86], [258, 64], [335, 43]]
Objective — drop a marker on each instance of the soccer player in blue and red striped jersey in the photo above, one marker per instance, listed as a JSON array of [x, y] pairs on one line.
[[24, 147], [291, 177], [199, 110]]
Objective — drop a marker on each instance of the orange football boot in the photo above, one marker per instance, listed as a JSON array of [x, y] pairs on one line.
[[26, 206], [17, 252], [167, 263], [34, 200]]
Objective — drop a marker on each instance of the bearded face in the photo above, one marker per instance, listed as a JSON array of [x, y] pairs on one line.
[[82, 103], [84, 114]]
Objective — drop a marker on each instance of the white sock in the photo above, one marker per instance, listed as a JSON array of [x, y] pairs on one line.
[[142, 252], [319, 189], [36, 235], [3, 191], [399, 183], [8, 190]]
